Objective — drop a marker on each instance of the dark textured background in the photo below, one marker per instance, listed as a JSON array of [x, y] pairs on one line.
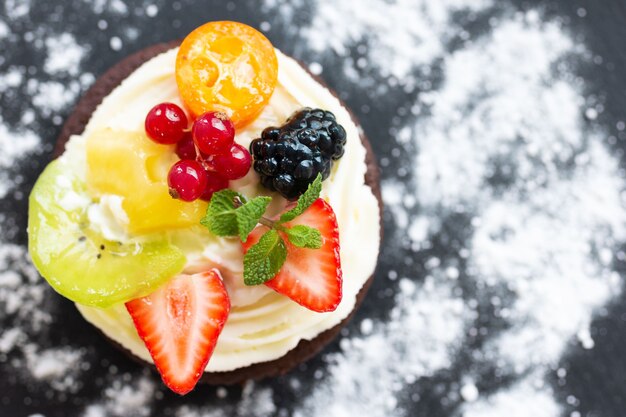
[[597, 377]]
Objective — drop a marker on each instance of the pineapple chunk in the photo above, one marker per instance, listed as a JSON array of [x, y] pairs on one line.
[[130, 165]]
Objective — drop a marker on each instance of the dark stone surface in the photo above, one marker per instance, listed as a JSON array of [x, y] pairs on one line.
[[596, 377]]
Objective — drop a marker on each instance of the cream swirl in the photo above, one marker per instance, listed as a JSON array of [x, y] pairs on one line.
[[262, 325]]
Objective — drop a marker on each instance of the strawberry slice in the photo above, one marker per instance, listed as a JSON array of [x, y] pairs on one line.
[[310, 277], [180, 323]]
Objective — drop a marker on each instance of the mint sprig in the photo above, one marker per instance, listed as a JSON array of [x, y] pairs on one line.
[[231, 214], [220, 217], [304, 236], [264, 259], [249, 214]]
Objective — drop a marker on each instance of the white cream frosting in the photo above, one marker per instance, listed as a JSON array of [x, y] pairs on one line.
[[109, 217], [262, 325]]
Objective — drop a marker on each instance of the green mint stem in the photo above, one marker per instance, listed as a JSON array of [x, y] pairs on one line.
[[237, 201], [266, 222]]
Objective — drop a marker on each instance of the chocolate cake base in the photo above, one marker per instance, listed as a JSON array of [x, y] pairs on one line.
[[76, 124]]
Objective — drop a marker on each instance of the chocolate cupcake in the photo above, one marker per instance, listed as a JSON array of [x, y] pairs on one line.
[[267, 329]]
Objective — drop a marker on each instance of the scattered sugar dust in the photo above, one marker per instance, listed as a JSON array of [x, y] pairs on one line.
[[64, 54], [16, 144], [26, 310], [16, 9], [373, 370], [116, 7], [135, 395], [50, 95], [506, 144], [26, 317], [542, 190], [255, 401], [21, 294], [58, 367], [394, 38], [125, 396], [27, 304], [515, 403], [501, 143]]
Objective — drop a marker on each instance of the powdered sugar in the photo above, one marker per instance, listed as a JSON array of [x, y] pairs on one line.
[[64, 54], [371, 371], [16, 9], [395, 37], [469, 392], [52, 96], [59, 367], [121, 398], [152, 10], [21, 294], [255, 401], [395, 48], [15, 145], [537, 232], [505, 115], [521, 400], [26, 310], [504, 144], [11, 79], [117, 7], [115, 43], [4, 30], [507, 211], [584, 214], [24, 305], [10, 338]]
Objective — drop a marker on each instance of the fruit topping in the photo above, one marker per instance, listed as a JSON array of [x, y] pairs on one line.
[[209, 158], [213, 133], [234, 164], [166, 123], [185, 148], [215, 182], [296, 254], [180, 323], [229, 67], [187, 180], [310, 277], [288, 158], [77, 261], [129, 165]]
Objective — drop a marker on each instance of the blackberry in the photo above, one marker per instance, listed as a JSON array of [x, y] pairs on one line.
[[289, 157]]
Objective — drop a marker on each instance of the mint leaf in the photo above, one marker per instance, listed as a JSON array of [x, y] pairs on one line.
[[310, 195], [264, 259], [248, 215], [304, 236], [225, 218], [220, 217]]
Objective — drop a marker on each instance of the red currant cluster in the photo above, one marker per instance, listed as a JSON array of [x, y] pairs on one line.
[[208, 152]]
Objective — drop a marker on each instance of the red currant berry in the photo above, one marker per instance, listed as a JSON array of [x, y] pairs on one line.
[[187, 180], [234, 164], [165, 123], [214, 184], [213, 133], [185, 149]]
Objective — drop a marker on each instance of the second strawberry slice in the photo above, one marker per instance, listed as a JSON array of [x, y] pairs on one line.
[[310, 277], [180, 323]]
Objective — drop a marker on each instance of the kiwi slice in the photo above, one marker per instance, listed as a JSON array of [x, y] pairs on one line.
[[77, 261]]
